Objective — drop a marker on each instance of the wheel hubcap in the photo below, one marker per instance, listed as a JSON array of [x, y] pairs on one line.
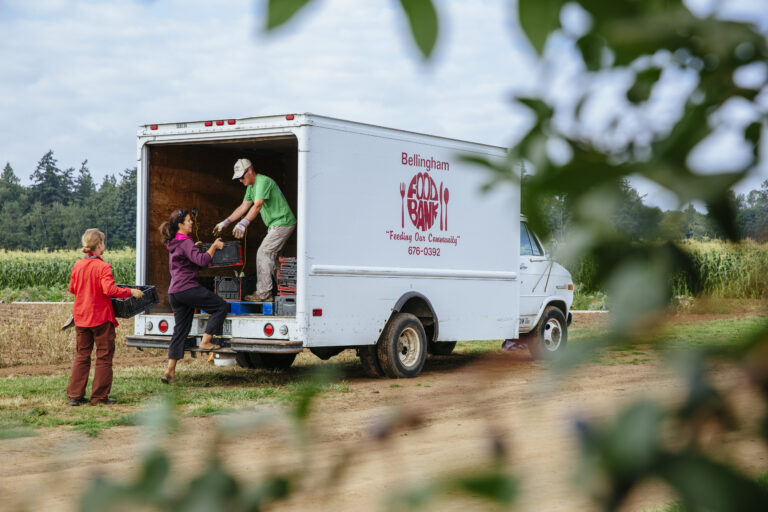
[[553, 333], [408, 347]]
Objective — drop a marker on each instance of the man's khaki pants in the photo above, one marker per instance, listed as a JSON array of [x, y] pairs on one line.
[[266, 258]]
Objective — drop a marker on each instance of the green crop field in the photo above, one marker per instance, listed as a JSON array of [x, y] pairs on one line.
[[721, 270], [44, 275], [725, 270]]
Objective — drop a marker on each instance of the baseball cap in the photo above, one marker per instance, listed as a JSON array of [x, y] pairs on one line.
[[241, 166]]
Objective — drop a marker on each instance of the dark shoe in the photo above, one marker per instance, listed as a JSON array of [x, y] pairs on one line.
[[510, 345], [69, 323], [105, 401], [212, 348], [167, 380], [75, 402]]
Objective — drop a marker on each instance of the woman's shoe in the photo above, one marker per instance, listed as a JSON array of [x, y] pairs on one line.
[[208, 348], [171, 381]]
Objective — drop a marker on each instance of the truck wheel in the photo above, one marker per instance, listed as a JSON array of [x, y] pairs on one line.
[[402, 348], [273, 361], [441, 348], [552, 335], [243, 360], [370, 361]]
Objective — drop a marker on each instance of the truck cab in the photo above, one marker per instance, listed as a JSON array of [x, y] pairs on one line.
[[546, 296]]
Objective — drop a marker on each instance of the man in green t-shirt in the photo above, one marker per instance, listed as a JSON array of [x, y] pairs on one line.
[[262, 195]]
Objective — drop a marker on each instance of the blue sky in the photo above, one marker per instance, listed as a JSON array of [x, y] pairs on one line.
[[79, 76]]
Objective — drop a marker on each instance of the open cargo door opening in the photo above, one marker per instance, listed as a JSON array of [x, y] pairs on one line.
[[199, 175]]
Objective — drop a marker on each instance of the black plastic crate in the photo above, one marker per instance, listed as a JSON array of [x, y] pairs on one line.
[[126, 308], [229, 256], [285, 305], [234, 288]]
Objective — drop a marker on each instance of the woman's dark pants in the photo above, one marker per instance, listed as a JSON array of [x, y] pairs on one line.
[[184, 305]]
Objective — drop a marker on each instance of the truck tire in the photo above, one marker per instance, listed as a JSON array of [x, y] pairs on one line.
[[369, 358], [551, 335], [441, 348], [402, 348], [243, 360], [256, 361], [273, 361]]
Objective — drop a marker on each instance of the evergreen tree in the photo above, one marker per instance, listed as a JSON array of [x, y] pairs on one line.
[[125, 233], [8, 175], [49, 183], [84, 185], [10, 188]]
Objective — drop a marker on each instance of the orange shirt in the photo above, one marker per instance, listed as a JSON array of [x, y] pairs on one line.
[[92, 283]]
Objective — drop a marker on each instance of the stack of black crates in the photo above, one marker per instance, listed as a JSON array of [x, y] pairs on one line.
[[286, 287]]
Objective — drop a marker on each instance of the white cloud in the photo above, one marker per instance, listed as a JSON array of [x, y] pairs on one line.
[[79, 76]]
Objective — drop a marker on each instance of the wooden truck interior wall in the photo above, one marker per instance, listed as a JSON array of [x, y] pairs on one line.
[[200, 176]]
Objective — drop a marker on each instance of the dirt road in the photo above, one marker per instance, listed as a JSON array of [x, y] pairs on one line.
[[462, 403]]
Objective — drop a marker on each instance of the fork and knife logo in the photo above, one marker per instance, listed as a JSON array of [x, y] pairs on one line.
[[425, 202]]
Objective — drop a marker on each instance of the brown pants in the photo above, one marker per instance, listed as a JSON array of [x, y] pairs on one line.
[[104, 337]]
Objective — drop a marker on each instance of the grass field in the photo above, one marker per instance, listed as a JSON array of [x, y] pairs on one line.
[[31, 402]]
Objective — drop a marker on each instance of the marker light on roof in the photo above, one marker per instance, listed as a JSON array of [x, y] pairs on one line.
[[289, 117], [220, 123], [153, 127], [230, 121], [209, 123]]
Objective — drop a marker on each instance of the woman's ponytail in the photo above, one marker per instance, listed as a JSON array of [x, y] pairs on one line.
[[169, 229]]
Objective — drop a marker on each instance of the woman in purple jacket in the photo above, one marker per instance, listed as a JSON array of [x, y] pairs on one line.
[[186, 294]]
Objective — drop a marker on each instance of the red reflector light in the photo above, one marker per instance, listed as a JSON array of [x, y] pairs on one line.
[[269, 330], [153, 127], [289, 117], [570, 286], [317, 312], [220, 123], [230, 121], [163, 326], [209, 123]]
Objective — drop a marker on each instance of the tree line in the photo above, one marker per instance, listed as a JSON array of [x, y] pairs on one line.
[[60, 204], [642, 222]]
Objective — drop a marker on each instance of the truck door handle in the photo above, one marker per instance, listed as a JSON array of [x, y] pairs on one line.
[[523, 267]]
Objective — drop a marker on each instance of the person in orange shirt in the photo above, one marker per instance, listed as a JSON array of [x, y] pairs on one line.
[[93, 285]]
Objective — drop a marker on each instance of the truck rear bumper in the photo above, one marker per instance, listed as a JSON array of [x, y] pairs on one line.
[[264, 346]]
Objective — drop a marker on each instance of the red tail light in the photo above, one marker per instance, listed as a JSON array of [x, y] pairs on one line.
[[163, 326], [269, 330], [317, 312]]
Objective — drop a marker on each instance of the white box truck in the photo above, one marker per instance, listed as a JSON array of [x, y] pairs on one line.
[[399, 251]]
